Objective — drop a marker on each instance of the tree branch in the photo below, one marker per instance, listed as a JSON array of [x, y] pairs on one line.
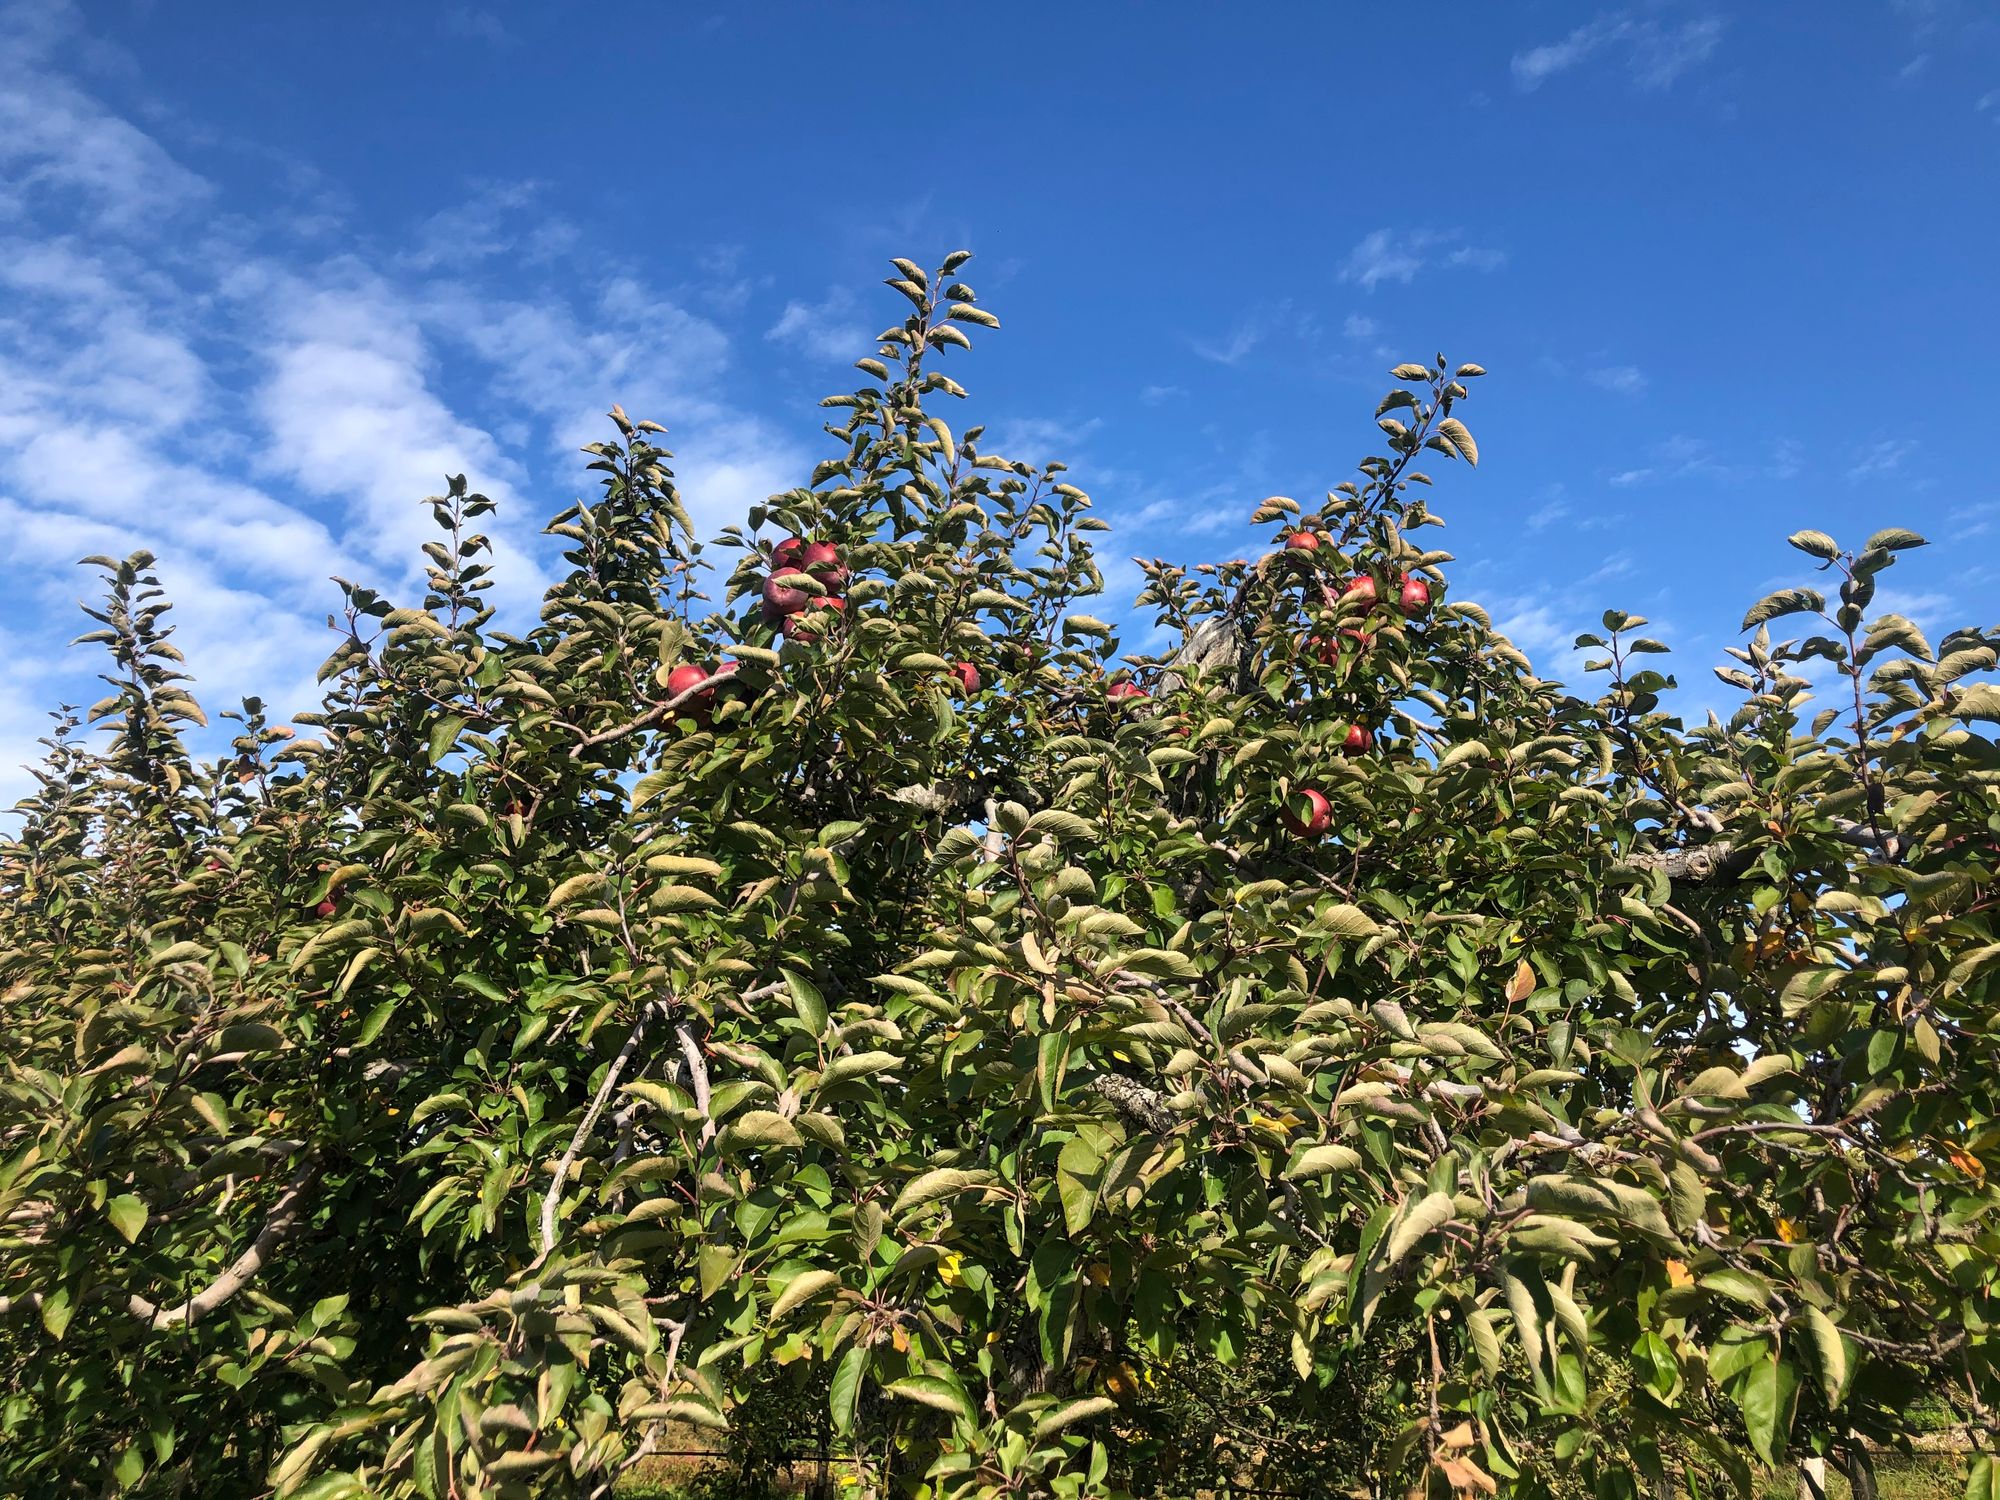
[[286, 1215], [553, 1198], [1144, 1107]]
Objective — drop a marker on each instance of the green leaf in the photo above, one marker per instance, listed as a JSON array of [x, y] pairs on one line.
[[1346, 921], [1077, 1171], [444, 735], [1745, 1287], [1069, 1413], [127, 1215], [758, 1127], [857, 1065], [1768, 1397], [1453, 431], [801, 1289], [1829, 1351], [1815, 543], [1894, 539], [1319, 1161], [848, 1377], [1418, 1219], [939, 1182], [575, 888], [935, 1392], [1783, 602]]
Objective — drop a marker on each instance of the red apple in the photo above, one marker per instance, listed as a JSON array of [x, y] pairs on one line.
[[1302, 541], [684, 678], [788, 552], [1118, 692], [1358, 740], [968, 677], [781, 598], [811, 618], [325, 909], [1416, 595], [1328, 651], [822, 560], [1307, 813], [1361, 590], [216, 864]]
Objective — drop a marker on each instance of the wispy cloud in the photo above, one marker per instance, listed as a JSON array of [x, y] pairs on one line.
[[1625, 380], [1654, 53], [1255, 329], [830, 330], [1685, 457], [1358, 327], [472, 24], [1398, 255], [1159, 395], [1235, 347], [1877, 459], [1546, 514]]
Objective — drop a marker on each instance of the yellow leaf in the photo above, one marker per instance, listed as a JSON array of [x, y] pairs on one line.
[[1678, 1274], [950, 1270]]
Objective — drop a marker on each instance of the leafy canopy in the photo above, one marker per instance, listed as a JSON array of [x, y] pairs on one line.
[[536, 1053]]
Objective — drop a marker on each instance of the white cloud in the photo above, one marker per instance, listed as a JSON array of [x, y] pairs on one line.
[[1358, 327], [468, 23], [829, 330], [1685, 457], [1393, 255], [1654, 53], [1547, 514], [1234, 349], [1158, 395], [1878, 459], [1625, 380], [261, 419]]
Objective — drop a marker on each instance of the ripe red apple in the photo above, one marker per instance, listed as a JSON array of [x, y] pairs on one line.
[[1416, 595], [781, 598], [1307, 813], [1302, 541], [788, 552], [1358, 740], [1118, 692], [1328, 650], [810, 617], [683, 678], [325, 909], [216, 864], [822, 560], [1361, 590], [968, 677]]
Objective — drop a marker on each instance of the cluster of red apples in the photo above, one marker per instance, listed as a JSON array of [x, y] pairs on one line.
[[1307, 812]]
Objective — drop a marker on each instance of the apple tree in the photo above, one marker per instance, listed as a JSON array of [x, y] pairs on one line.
[[815, 959]]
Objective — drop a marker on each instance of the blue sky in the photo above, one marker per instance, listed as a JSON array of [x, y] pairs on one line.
[[267, 273]]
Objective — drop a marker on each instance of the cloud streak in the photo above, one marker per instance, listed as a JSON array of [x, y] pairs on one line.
[[1653, 53]]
